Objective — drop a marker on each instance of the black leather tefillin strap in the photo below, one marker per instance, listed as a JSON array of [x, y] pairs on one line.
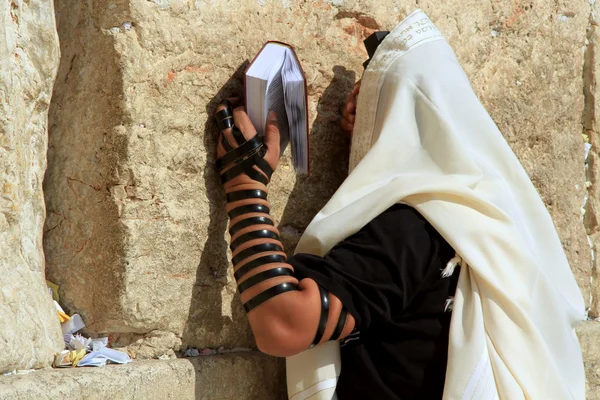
[[339, 328], [241, 157], [341, 323], [324, 315], [269, 293]]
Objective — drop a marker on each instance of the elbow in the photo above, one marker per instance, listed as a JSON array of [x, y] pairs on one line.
[[276, 349], [280, 341]]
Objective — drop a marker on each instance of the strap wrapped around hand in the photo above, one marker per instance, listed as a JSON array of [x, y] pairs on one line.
[[243, 157]]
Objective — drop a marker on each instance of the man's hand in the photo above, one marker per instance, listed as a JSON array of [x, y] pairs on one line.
[[242, 121], [286, 315], [349, 111]]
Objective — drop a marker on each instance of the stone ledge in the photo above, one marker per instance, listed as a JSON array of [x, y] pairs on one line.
[[233, 376]]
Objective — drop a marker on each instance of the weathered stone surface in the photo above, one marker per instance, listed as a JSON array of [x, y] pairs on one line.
[[230, 377], [592, 131], [136, 227], [29, 331], [525, 61], [589, 333]]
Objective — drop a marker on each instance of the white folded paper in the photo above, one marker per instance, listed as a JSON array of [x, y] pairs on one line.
[[99, 358], [73, 325]]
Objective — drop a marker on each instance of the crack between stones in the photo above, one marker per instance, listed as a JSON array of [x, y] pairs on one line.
[[588, 215]]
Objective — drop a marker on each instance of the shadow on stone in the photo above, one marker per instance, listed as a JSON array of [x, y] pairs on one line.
[[328, 164], [211, 276], [329, 151], [83, 238]]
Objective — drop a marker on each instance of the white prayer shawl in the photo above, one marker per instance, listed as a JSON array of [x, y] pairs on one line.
[[423, 138]]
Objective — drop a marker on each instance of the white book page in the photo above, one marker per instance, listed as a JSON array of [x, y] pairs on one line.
[[295, 105], [275, 102], [275, 82], [258, 77]]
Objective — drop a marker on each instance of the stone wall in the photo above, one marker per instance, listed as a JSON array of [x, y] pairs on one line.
[[29, 328], [84, 240], [592, 135], [136, 224], [135, 233], [255, 377]]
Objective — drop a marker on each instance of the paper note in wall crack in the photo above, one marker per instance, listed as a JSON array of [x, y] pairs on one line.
[[73, 325]]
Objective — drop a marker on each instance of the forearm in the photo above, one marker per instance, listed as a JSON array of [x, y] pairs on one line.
[[286, 316], [257, 252], [286, 323]]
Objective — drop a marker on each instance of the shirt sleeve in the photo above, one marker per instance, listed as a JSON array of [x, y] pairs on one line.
[[377, 271]]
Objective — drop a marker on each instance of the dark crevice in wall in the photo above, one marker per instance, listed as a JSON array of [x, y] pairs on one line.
[[589, 207], [83, 239]]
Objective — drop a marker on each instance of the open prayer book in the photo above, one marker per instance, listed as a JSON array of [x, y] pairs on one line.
[[275, 81]]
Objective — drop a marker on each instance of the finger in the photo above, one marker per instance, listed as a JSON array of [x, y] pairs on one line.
[[350, 108], [226, 133], [220, 149], [243, 122], [347, 115], [346, 125], [351, 97], [235, 101], [356, 88], [272, 133], [351, 118]]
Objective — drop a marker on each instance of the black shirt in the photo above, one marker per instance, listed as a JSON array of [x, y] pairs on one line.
[[388, 276]]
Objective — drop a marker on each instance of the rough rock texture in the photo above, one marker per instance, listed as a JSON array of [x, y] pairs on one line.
[[592, 132], [589, 333], [136, 225], [202, 378], [528, 74], [29, 331]]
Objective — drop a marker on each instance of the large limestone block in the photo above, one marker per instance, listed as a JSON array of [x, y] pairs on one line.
[[528, 74], [136, 227], [589, 333], [29, 328], [591, 126], [228, 377]]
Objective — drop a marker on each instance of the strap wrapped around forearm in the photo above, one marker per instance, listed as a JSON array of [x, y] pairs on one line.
[[268, 294], [250, 265], [259, 248], [259, 234], [244, 223], [252, 218], [324, 315], [248, 209], [339, 328], [246, 194], [263, 276]]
